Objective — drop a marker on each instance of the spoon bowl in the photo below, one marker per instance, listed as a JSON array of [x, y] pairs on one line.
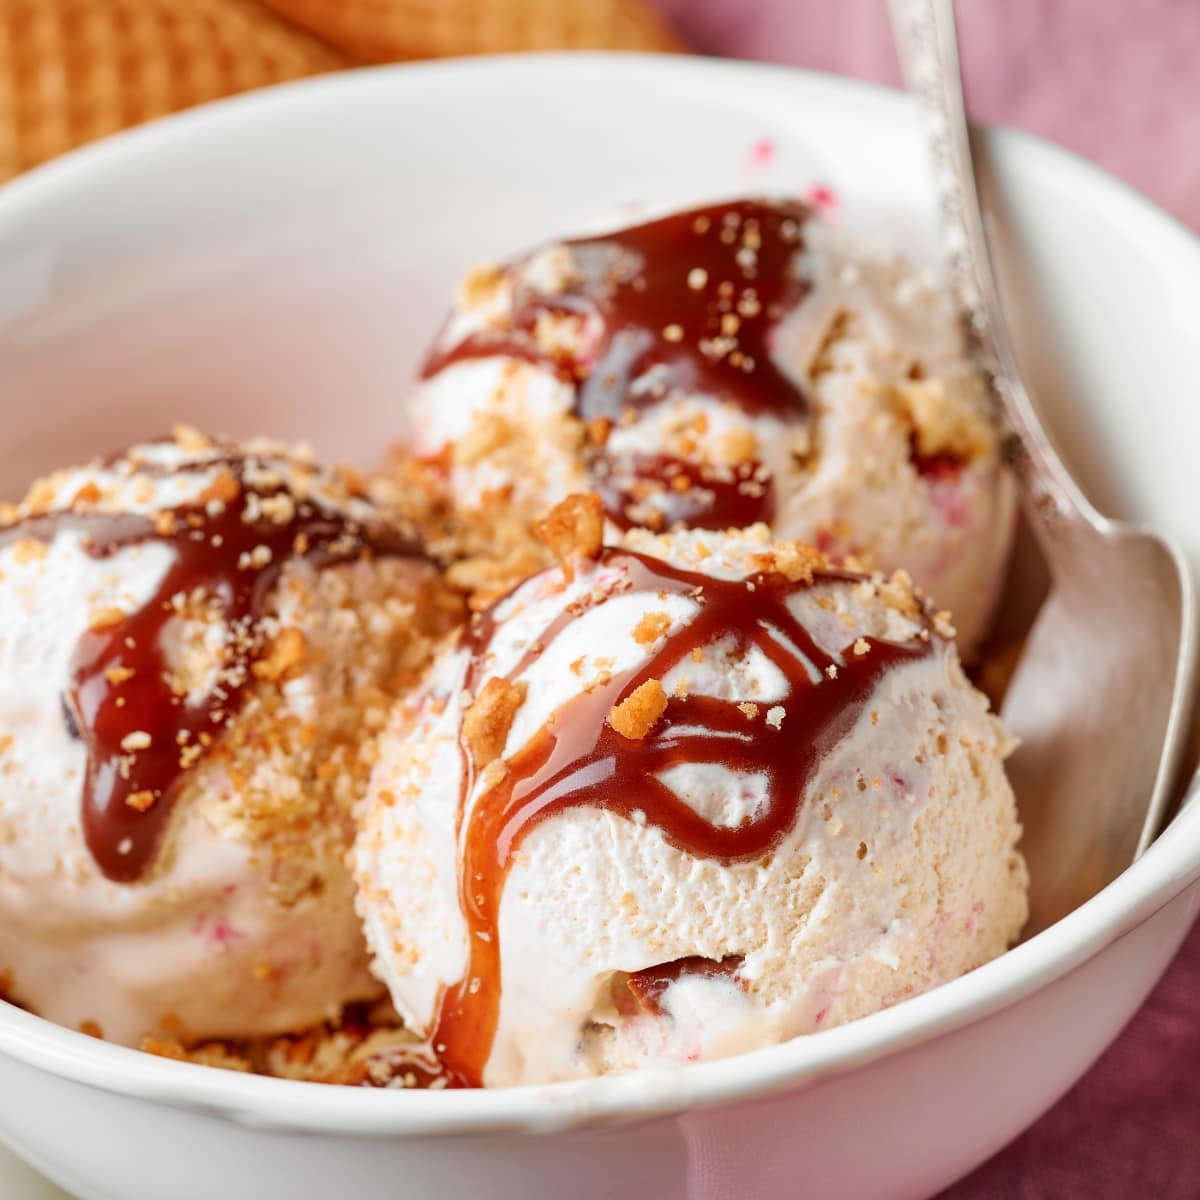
[[1099, 702]]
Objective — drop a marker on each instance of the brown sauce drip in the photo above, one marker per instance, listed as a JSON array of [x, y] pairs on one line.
[[685, 304], [643, 992], [578, 760], [121, 679]]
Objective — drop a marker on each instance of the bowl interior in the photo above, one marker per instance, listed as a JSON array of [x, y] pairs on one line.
[[277, 264]]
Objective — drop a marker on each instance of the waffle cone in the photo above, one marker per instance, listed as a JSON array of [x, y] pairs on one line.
[[74, 70], [373, 31]]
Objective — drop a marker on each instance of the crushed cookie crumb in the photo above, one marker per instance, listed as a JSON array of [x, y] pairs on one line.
[[749, 709], [224, 488], [737, 446], [190, 439], [573, 530], [898, 593], [479, 286], [599, 430], [943, 425], [140, 801], [350, 478], [42, 495], [602, 678], [286, 651], [280, 508], [797, 562], [640, 711], [211, 1054], [487, 722], [651, 627], [861, 646]]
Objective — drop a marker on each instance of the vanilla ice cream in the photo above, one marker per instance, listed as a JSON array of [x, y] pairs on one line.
[[689, 794], [198, 642], [743, 362]]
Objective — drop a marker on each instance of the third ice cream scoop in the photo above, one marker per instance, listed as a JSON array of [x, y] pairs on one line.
[[741, 362]]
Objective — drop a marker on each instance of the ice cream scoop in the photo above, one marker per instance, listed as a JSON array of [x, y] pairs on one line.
[[198, 641], [741, 362], [686, 795]]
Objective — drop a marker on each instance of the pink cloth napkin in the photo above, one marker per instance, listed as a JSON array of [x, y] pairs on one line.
[[1120, 84]]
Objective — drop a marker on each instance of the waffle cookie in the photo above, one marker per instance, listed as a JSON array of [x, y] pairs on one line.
[[75, 70]]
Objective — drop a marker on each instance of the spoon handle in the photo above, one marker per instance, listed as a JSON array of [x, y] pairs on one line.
[[927, 46]]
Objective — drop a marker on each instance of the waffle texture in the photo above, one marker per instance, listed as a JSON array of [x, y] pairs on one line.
[[75, 70], [373, 31]]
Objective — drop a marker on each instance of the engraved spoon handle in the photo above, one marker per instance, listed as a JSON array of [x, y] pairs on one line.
[[927, 45]]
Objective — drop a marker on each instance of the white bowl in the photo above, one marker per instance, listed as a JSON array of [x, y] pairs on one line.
[[276, 264]]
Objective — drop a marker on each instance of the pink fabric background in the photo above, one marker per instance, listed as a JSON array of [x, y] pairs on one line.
[[1118, 82]]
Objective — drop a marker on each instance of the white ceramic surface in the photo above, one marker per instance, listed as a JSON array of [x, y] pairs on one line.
[[276, 264]]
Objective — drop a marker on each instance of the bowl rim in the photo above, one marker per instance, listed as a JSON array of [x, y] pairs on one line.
[[1167, 868]]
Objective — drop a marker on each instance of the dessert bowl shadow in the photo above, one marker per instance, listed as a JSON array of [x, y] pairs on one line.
[[276, 264]]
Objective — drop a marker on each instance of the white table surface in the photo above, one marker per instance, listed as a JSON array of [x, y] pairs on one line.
[[19, 1182]]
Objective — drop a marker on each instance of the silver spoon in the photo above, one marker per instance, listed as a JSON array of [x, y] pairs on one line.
[[1102, 693]]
